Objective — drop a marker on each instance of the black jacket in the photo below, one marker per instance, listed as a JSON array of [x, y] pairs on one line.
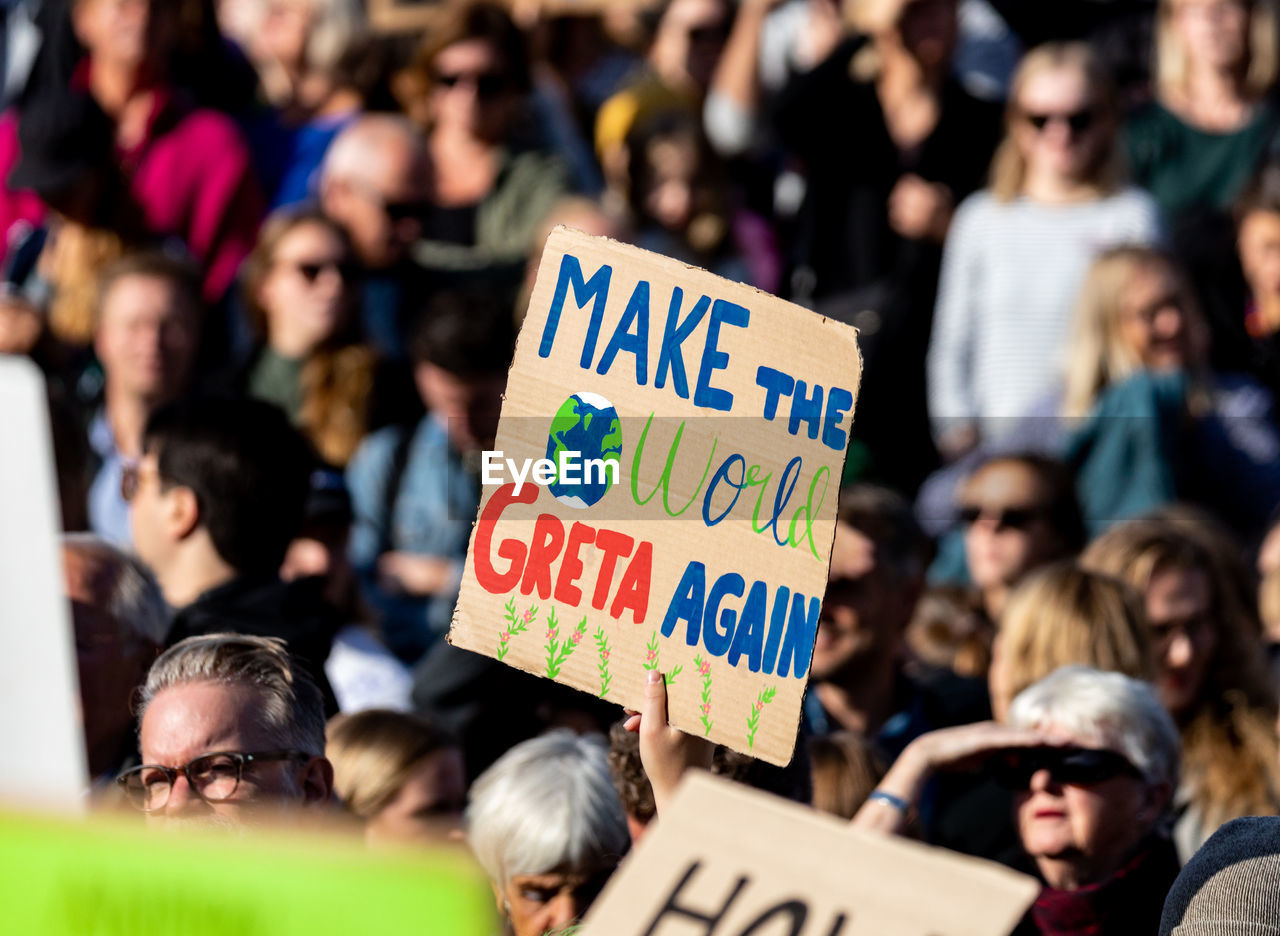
[[293, 611]]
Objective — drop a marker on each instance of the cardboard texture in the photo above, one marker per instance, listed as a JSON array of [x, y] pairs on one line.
[[722, 413], [42, 757], [728, 860]]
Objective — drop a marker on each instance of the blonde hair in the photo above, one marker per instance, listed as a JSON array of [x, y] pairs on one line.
[[74, 260], [337, 378], [1065, 614], [845, 770], [1009, 167], [1098, 355], [1171, 65], [374, 753], [1228, 737]]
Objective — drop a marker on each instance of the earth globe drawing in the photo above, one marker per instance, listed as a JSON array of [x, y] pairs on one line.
[[587, 426]]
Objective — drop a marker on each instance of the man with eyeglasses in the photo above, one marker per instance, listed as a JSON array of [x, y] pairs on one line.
[[230, 730]]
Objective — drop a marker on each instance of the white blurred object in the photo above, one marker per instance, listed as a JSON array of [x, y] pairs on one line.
[[42, 758]]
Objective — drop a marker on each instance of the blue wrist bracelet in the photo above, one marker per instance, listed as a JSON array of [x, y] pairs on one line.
[[897, 802]]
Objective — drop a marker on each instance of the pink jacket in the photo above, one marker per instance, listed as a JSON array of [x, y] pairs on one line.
[[192, 177]]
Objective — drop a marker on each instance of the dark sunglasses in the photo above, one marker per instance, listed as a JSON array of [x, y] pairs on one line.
[[1078, 121], [1072, 766], [311, 270], [405, 210], [487, 84], [1007, 518]]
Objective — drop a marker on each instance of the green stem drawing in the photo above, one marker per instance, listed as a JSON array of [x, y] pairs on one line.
[[602, 645], [651, 660], [559, 651], [753, 720], [516, 624], [704, 670]]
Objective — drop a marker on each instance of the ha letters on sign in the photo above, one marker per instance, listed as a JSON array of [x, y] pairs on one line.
[[726, 860], [663, 491]]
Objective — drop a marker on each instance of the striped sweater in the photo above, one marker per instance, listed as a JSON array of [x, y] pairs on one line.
[[1011, 274]]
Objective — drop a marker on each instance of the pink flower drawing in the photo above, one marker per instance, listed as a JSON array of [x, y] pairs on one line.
[[604, 655], [504, 637], [759, 706], [551, 633], [706, 708], [528, 615], [575, 637], [650, 656], [705, 667]]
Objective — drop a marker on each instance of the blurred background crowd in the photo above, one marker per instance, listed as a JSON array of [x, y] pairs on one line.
[[272, 255]]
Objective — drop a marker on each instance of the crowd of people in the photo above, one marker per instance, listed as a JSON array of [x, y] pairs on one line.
[[272, 256]]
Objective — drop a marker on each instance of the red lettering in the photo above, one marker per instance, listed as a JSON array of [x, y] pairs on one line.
[[492, 581], [567, 592], [548, 537], [615, 546], [633, 592]]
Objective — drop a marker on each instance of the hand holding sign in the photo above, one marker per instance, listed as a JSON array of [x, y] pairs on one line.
[[667, 753], [663, 498]]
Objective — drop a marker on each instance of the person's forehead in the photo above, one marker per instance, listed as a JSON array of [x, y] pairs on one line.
[[306, 240], [139, 292], [1061, 86], [191, 719], [1261, 223], [1175, 591], [853, 554], [1004, 481]]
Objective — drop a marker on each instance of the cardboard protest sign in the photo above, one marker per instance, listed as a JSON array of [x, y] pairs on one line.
[[42, 756], [663, 490], [64, 878], [729, 860]]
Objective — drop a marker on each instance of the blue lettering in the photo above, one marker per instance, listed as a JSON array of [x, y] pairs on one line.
[[624, 339], [717, 625], [595, 290], [673, 335], [776, 385], [713, 359], [687, 603], [802, 628], [749, 637], [838, 402]]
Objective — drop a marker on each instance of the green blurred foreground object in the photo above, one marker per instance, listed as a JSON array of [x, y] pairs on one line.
[[103, 878]]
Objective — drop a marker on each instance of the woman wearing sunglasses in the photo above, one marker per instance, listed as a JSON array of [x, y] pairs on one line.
[[492, 183], [309, 358], [1092, 760], [1017, 251]]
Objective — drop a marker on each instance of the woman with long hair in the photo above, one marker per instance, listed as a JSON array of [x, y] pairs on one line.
[[1143, 409], [1212, 673], [310, 360], [1017, 252], [1195, 145]]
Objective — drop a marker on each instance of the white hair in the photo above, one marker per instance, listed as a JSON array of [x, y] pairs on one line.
[[1107, 710], [363, 149], [548, 803], [133, 600], [292, 709]]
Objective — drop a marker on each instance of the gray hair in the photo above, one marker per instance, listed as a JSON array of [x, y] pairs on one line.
[[134, 600], [292, 710], [1107, 709], [547, 803]]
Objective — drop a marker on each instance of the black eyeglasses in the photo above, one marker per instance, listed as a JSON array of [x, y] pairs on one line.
[[1077, 121], [310, 270], [487, 84], [1006, 518], [1072, 766], [212, 777]]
